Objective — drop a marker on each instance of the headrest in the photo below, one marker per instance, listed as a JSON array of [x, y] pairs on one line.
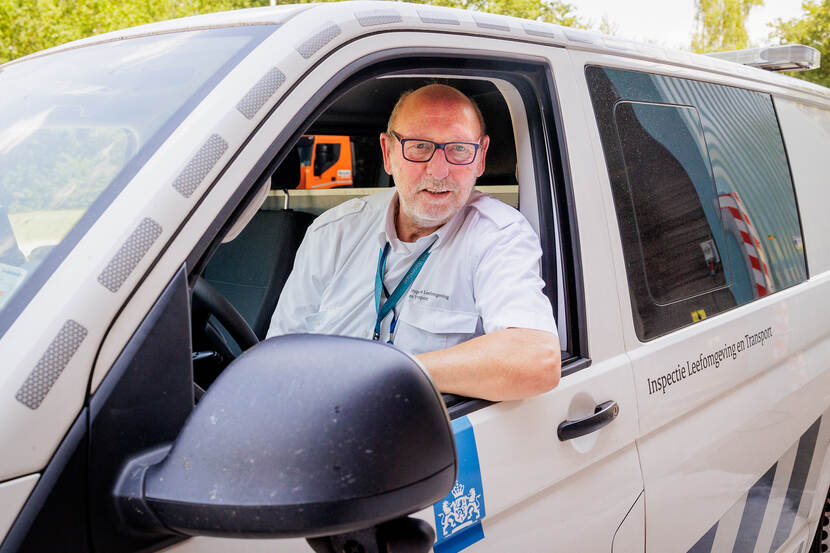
[[248, 214], [287, 174]]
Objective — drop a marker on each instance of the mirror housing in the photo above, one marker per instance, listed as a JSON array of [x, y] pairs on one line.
[[301, 436]]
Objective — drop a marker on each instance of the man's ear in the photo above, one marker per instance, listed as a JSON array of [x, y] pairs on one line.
[[485, 143], [386, 148]]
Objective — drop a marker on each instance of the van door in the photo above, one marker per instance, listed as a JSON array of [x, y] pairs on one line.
[[732, 426], [541, 490], [520, 486]]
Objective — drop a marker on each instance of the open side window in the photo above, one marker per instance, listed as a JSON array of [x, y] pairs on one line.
[[525, 169]]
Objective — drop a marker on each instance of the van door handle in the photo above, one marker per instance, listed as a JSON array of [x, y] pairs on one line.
[[603, 414]]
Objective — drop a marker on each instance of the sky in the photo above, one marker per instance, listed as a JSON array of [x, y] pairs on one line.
[[671, 22]]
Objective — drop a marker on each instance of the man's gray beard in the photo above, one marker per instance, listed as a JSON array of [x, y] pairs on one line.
[[438, 185], [425, 222]]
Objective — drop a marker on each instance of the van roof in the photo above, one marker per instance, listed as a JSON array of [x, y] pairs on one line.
[[374, 15]]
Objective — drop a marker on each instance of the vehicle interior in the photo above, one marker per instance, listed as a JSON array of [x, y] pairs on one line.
[[238, 291]]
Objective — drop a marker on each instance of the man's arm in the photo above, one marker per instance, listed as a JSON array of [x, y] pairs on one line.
[[511, 363], [519, 354]]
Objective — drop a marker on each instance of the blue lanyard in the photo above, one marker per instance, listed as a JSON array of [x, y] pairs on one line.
[[393, 299]]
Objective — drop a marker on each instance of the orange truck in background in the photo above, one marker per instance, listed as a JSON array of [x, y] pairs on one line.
[[325, 161]]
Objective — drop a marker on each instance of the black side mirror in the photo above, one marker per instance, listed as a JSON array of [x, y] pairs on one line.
[[301, 436]]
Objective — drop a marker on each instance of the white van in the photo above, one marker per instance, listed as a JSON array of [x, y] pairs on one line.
[[149, 216]]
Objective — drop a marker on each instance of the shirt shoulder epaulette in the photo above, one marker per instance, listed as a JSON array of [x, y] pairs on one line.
[[338, 212], [501, 214], [368, 206]]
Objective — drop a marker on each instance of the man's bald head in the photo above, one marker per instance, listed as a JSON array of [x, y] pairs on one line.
[[432, 190], [426, 95]]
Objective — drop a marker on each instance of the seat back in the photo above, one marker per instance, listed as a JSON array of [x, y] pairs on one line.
[[251, 270]]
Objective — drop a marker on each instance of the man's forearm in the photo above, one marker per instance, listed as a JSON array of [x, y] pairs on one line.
[[507, 364]]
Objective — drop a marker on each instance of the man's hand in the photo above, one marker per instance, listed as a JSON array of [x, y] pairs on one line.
[[507, 364]]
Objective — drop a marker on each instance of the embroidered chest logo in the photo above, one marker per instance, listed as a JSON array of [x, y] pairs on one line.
[[424, 296]]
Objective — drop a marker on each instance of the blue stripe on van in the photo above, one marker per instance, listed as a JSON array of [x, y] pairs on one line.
[[704, 544], [757, 500], [461, 540], [458, 516], [754, 509], [795, 489]]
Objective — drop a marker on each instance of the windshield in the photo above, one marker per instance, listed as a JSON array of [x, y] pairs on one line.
[[75, 126]]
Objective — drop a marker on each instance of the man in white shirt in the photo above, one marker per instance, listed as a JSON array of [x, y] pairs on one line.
[[433, 266]]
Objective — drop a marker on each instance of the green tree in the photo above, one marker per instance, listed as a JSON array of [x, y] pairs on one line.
[[811, 29], [550, 11], [721, 24], [28, 26]]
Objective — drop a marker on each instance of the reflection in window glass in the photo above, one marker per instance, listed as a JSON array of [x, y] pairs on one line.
[[304, 147], [674, 200], [665, 135], [325, 156]]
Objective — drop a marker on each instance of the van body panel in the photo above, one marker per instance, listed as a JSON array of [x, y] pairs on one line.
[[13, 495], [806, 131], [728, 425], [630, 534], [528, 475], [591, 204], [525, 475], [735, 450]]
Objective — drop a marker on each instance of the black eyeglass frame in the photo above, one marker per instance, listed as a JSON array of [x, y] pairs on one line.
[[437, 146]]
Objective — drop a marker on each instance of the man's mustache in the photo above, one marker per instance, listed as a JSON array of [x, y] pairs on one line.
[[437, 185]]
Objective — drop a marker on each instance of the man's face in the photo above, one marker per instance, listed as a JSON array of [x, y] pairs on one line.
[[431, 193]]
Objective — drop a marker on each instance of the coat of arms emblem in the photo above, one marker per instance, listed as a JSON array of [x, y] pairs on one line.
[[464, 508]]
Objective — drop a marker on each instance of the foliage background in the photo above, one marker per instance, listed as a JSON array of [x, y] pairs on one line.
[[27, 26], [813, 29], [721, 24]]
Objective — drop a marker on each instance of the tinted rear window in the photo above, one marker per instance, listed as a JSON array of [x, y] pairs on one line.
[[703, 195]]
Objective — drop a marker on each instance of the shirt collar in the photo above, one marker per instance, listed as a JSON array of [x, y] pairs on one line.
[[388, 233]]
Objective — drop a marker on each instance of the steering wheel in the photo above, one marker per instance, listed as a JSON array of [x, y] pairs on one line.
[[208, 301]]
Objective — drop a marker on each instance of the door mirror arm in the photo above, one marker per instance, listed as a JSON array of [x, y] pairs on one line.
[[401, 535]]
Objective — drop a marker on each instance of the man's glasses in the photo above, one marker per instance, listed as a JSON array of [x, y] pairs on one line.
[[418, 150]]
